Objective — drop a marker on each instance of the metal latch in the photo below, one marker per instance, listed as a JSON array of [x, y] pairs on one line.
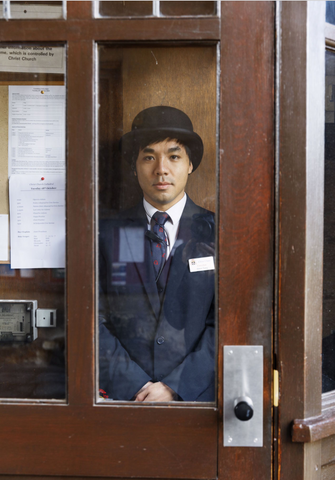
[[45, 317]]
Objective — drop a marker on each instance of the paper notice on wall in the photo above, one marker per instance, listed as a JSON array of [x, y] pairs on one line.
[[37, 221], [4, 238], [36, 130], [34, 59]]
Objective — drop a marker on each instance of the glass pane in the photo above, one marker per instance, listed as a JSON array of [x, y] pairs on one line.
[[187, 8], [157, 138], [330, 12], [328, 347], [29, 10], [32, 196], [2, 13], [125, 9]]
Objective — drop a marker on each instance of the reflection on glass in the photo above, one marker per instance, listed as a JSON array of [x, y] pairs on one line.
[[187, 8], [32, 307], [156, 243], [125, 9], [330, 12]]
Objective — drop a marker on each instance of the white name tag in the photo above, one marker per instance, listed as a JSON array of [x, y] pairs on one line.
[[201, 264]]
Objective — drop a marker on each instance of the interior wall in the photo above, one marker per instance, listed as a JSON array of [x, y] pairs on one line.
[[184, 78]]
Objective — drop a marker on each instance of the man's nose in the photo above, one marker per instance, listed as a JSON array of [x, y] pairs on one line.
[[161, 166]]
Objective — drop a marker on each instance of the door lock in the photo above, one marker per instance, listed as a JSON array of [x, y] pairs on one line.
[[243, 396], [243, 408]]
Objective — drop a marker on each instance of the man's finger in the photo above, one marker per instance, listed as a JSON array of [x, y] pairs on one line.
[[141, 396]]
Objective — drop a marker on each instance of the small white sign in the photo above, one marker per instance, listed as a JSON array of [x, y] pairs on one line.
[[32, 59], [201, 264]]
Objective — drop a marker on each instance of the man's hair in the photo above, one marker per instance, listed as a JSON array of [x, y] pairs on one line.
[[145, 141]]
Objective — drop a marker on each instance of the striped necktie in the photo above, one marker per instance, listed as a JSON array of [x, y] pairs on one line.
[[159, 248]]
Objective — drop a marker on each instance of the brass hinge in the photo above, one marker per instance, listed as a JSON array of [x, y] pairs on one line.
[[275, 388]]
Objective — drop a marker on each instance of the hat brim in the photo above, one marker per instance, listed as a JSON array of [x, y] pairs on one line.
[[131, 141]]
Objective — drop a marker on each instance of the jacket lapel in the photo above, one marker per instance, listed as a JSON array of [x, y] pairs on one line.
[[179, 263], [144, 268]]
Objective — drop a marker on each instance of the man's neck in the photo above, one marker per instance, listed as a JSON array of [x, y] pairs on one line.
[[164, 208], [174, 212]]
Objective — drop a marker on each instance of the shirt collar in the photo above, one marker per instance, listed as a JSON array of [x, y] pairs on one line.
[[175, 212]]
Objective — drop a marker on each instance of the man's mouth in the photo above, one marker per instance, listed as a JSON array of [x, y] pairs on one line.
[[162, 185]]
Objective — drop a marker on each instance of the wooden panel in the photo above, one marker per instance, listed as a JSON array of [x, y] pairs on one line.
[[328, 450], [79, 10], [140, 441], [246, 196], [80, 223], [328, 472], [111, 30], [292, 203], [300, 231]]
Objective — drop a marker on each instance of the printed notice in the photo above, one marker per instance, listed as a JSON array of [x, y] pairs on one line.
[[36, 130], [32, 59], [37, 221]]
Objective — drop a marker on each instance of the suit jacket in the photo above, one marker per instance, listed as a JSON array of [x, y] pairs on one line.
[[143, 336]]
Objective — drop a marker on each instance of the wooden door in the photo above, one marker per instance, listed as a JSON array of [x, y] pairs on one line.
[[80, 437]]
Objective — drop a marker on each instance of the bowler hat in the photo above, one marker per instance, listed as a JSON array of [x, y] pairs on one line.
[[158, 123]]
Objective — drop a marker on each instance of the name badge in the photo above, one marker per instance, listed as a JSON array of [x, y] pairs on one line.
[[201, 264]]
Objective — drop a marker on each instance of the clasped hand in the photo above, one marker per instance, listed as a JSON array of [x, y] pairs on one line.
[[155, 392]]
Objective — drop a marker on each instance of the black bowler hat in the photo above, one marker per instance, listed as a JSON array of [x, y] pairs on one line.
[[156, 124]]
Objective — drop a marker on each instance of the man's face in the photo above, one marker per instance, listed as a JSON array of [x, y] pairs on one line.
[[162, 169]]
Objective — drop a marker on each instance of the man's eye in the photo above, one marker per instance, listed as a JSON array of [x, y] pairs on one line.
[[149, 157], [174, 157]]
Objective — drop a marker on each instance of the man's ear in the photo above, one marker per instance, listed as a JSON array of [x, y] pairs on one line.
[[190, 168], [135, 173]]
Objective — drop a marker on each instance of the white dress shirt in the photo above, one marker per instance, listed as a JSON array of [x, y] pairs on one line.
[[171, 226]]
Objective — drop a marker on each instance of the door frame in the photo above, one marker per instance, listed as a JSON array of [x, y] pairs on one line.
[[300, 189]]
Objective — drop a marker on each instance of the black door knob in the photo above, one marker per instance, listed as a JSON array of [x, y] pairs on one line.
[[243, 408]]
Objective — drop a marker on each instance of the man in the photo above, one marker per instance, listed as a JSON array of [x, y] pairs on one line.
[[157, 332]]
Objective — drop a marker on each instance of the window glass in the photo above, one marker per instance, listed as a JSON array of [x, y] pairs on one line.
[[125, 9], [330, 12], [328, 347], [29, 10], [157, 139], [32, 216], [187, 8]]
